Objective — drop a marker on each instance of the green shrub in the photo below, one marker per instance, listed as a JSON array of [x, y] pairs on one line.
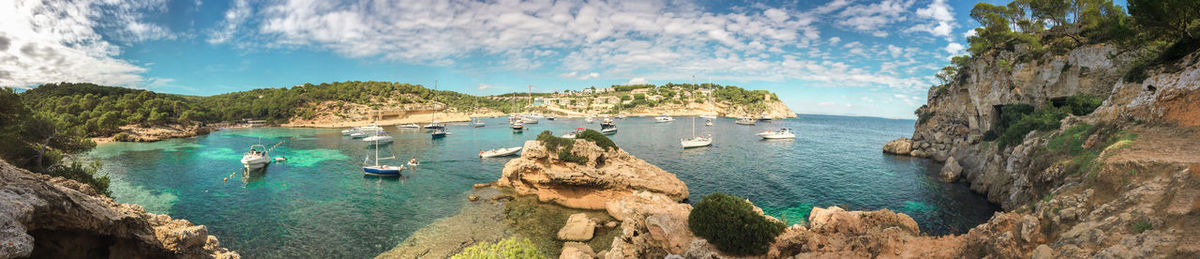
[[598, 138], [730, 223], [83, 174], [1071, 140], [505, 248], [1048, 118], [1083, 104], [1141, 226], [562, 146], [123, 136]]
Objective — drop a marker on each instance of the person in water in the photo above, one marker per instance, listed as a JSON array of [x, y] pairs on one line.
[[412, 161]]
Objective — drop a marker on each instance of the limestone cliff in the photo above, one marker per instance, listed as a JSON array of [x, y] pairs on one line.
[[44, 217], [1131, 198]]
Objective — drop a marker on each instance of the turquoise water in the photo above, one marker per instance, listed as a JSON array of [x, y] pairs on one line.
[[318, 203]]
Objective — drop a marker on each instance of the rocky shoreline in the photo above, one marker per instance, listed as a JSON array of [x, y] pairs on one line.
[[140, 133], [46, 217]]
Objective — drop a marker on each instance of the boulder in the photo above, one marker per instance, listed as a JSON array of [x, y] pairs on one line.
[[606, 175], [900, 146], [576, 250], [578, 228], [951, 170]]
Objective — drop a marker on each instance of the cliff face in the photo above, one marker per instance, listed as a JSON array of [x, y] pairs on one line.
[[44, 217], [1128, 199]]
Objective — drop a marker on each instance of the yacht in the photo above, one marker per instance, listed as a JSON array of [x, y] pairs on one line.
[[573, 134], [784, 133], [358, 134], [529, 120], [765, 117], [695, 141], [370, 129], [409, 126], [708, 116], [745, 121], [347, 132], [608, 127], [379, 138], [664, 118], [434, 125], [256, 158]]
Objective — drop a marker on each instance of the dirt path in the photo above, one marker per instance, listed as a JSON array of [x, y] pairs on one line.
[[1162, 144]]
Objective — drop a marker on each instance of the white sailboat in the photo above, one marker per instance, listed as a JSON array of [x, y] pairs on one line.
[[695, 141], [381, 169], [439, 130]]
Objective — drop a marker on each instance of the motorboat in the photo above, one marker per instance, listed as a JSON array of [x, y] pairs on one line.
[[381, 169], [379, 138], [256, 158], [517, 125], [499, 152], [357, 134], [550, 117], [606, 122], [280, 159], [664, 118], [347, 132], [370, 129], [608, 127], [434, 125], [478, 124], [745, 121], [765, 117], [708, 122], [529, 120], [784, 133], [439, 133], [573, 134], [696, 141], [707, 116], [409, 126]]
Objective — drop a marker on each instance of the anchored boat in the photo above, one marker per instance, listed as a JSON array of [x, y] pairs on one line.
[[256, 158], [499, 152], [784, 133]]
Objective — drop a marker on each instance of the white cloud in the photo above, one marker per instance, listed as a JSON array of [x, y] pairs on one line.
[[568, 75], [874, 18], [941, 18], [969, 33], [588, 76], [954, 48], [237, 14], [56, 41], [834, 40], [485, 87], [637, 81]]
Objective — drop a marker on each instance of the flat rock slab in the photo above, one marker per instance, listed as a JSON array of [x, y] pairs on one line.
[[578, 228]]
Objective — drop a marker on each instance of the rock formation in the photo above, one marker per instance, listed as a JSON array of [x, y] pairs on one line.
[[578, 228], [607, 175], [44, 217]]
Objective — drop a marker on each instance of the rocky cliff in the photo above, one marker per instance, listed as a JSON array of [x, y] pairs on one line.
[[607, 175], [1126, 186], [44, 217]]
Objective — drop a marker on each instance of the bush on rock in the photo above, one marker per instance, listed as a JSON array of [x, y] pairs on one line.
[[730, 223], [506, 248]]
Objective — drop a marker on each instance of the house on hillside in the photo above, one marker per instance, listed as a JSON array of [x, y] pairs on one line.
[[640, 91]]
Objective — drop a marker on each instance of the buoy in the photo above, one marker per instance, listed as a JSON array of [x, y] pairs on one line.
[[226, 179]]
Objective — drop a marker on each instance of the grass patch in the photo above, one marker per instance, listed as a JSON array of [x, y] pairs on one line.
[[1141, 226]]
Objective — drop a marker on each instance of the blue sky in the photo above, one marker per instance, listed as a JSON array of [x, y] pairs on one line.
[[846, 57]]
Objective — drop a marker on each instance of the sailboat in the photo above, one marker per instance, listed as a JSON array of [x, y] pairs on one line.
[[439, 131], [695, 141], [381, 169]]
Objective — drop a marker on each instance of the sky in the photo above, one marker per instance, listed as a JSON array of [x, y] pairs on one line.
[[842, 57]]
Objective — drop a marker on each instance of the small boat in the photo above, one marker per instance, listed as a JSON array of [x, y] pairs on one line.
[[381, 169], [413, 162], [621, 116], [783, 133], [745, 121], [573, 134], [550, 117], [529, 120], [708, 123], [608, 127], [370, 129], [347, 132], [517, 125], [256, 158], [765, 117], [695, 141], [607, 122], [664, 118], [439, 133], [280, 159], [357, 134], [706, 116], [409, 126], [499, 152], [609, 130], [434, 125], [379, 138], [589, 120]]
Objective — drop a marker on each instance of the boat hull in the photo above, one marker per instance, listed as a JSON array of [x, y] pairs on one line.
[[437, 135], [382, 171]]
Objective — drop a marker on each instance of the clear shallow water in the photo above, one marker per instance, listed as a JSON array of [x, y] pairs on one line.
[[319, 204]]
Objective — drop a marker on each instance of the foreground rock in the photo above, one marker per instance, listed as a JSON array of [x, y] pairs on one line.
[[900, 146], [607, 175], [578, 228], [44, 217]]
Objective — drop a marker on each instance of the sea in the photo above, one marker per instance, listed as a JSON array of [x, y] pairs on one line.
[[318, 203]]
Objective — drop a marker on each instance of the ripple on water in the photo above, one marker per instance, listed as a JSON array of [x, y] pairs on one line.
[[154, 201], [790, 215], [915, 207]]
